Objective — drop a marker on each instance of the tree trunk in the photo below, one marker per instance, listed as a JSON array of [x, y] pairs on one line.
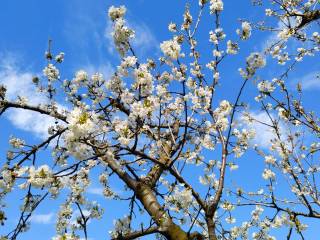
[[211, 228], [169, 229]]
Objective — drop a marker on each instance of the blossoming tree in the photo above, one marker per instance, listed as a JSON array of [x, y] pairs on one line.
[[158, 128]]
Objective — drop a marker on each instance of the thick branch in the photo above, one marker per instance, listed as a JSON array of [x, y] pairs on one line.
[[309, 17], [6, 105], [137, 234]]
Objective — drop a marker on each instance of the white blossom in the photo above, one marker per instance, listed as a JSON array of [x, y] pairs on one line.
[[41, 176], [81, 76], [121, 227], [232, 48], [266, 87], [268, 174], [171, 48], [16, 142], [179, 199], [172, 27], [116, 12], [121, 35], [245, 32], [270, 159], [60, 57], [51, 72], [144, 80], [66, 236], [216, 5]]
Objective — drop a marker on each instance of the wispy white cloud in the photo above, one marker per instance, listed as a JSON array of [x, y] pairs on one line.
[[145, 39], [264, 133], [84, 31], [76, 214], [106, 69], [272, 37], [81, 29], [310, 81], [43, 218], [19, 83], [143, 42], [31, 122], [108, 35], [292, 43], [95, 191]]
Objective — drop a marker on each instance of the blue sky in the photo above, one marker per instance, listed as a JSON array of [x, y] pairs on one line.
[[78, 28]]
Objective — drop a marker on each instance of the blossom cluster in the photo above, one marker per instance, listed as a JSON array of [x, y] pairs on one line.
[[245, 31], [121, 33]]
